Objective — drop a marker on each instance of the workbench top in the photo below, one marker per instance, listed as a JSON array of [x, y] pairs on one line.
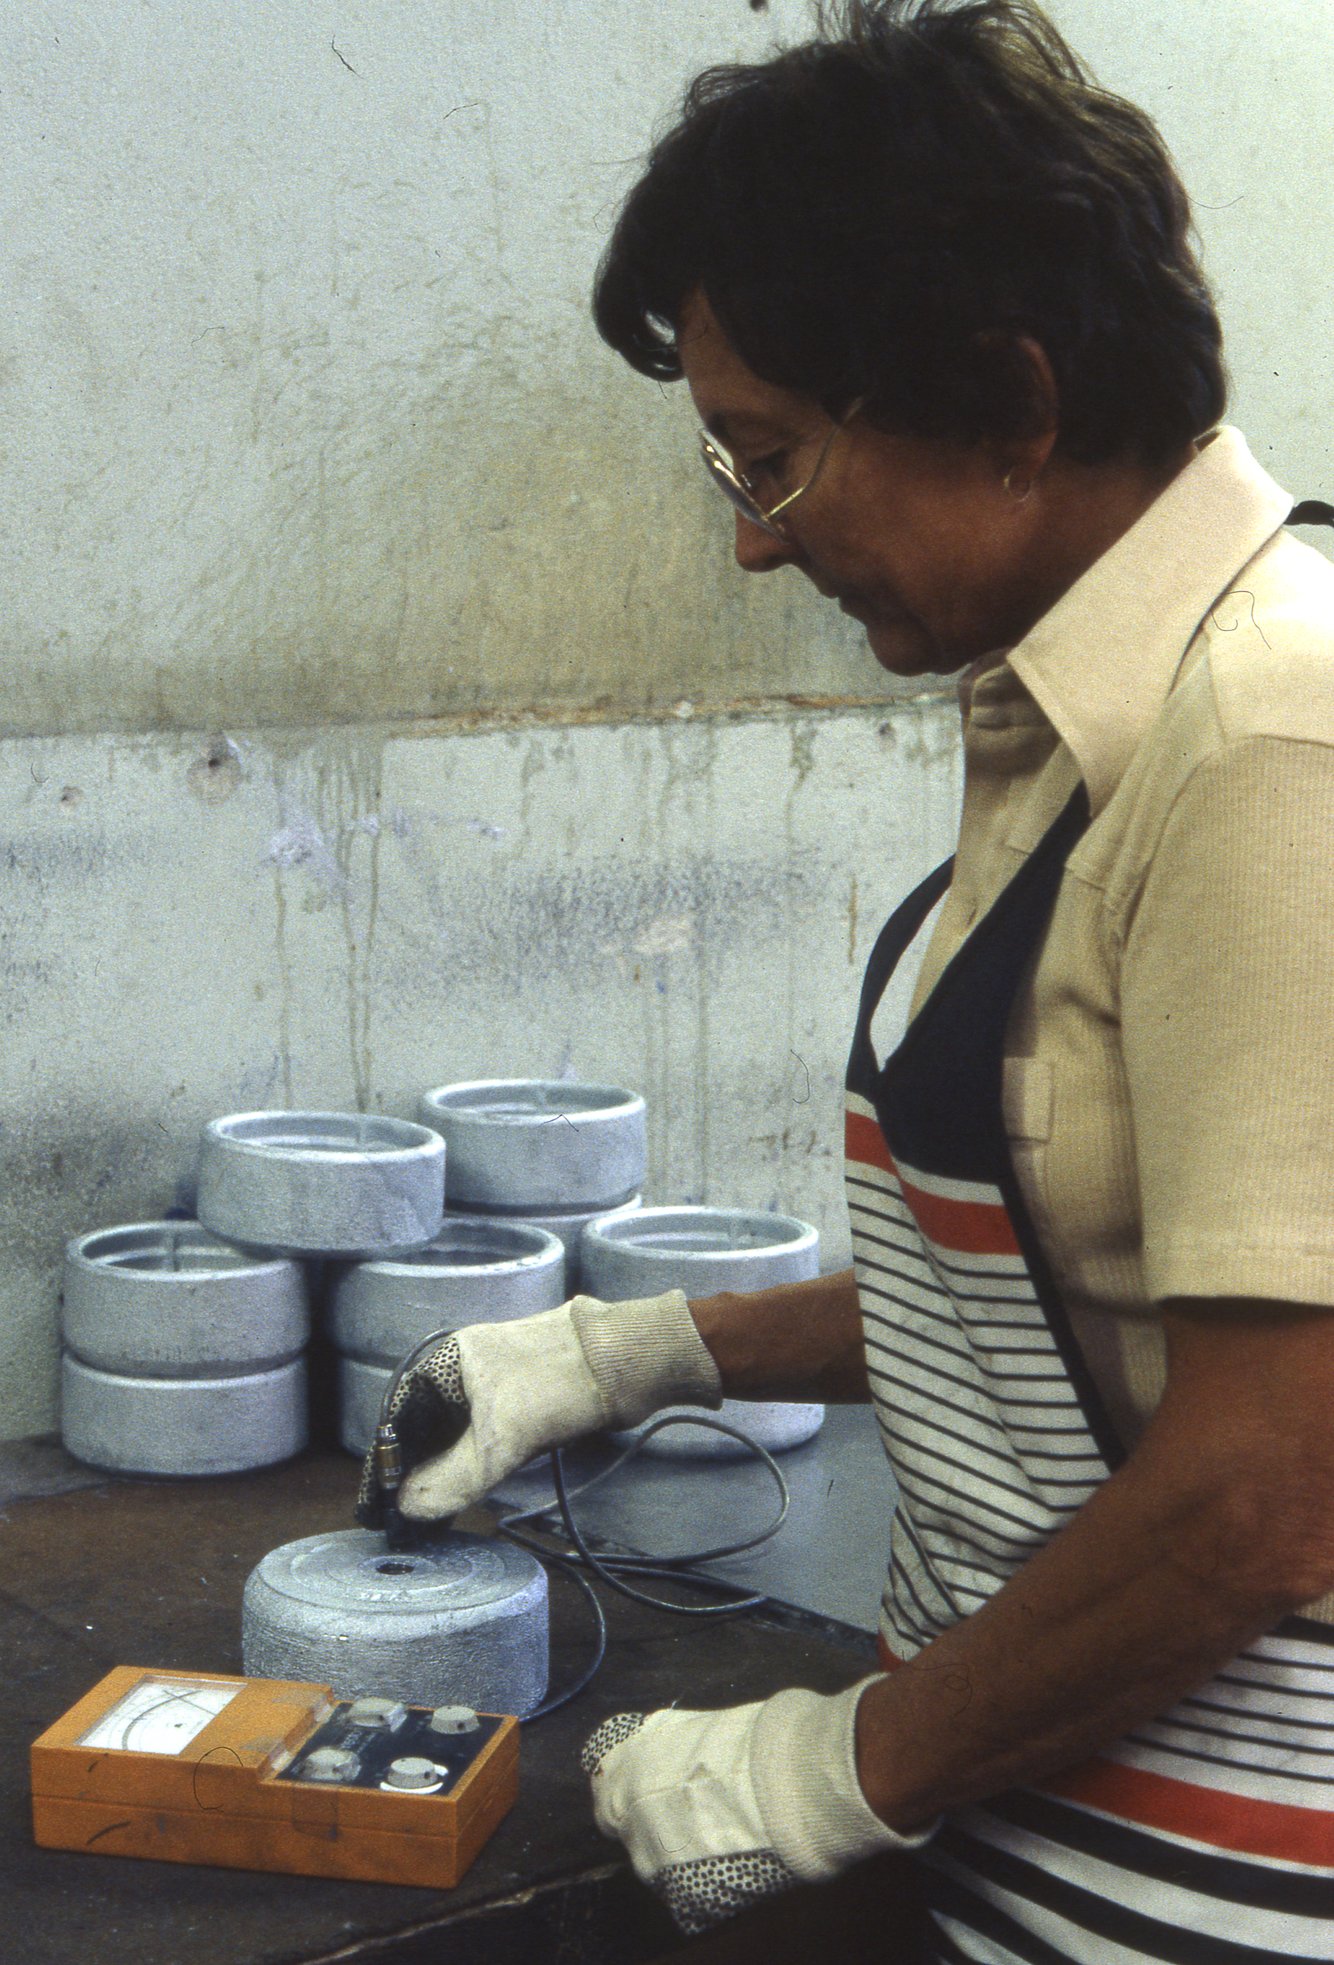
[[117, 1571]]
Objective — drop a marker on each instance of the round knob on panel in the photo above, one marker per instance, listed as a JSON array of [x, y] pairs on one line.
[[374, 1712], [331, 1764], [413, 1775], [453, 1719]]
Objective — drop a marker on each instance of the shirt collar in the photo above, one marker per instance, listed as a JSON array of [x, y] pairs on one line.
[[1102, 661]]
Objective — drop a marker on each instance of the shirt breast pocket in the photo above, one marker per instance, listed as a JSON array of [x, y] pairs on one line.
[[1027, 1100]]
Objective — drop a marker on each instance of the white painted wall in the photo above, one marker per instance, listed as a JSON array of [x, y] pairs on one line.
[[1242, 93], [303, 410], [303, 413], [313, 467]]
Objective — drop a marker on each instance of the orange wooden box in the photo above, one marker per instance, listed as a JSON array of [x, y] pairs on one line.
[[218, 1801]]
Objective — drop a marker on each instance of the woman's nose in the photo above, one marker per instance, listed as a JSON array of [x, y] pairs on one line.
[[758, 551]]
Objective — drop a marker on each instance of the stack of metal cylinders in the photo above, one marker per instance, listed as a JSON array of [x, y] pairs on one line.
[[705, 1252], [477, 1270], [545, 1152], [184, 1342], [182, 1354]]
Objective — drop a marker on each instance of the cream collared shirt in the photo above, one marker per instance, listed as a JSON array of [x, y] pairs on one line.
[[1169, 1091]]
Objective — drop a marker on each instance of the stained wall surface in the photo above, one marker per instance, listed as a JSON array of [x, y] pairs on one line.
[[378, 701], [348, 917]]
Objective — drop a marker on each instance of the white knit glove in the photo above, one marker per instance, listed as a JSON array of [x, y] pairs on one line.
[[490, 1396], [718, 1810]]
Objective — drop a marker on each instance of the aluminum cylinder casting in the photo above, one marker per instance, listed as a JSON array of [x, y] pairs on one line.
[[771, 1423], [322, 1183], [566, 1225], [165, 1299], [699, 1250], [538, 1144], [361, 1388], [704, 1251], [462, 1620], [141, 1425], [475, 1271]]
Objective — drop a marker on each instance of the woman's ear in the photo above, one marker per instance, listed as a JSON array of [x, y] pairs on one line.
[[1024, 402]]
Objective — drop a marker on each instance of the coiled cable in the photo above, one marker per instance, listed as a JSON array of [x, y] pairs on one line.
[[613, 1569]]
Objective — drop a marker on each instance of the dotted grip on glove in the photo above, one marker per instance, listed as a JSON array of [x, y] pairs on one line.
[[708, 1889], [610, 1734], [702, 1893], [430, 1413]]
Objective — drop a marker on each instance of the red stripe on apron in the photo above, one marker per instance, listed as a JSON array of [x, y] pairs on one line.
[[963, 1227], [1155, 1801], [865, 1143], [1228, 1821]]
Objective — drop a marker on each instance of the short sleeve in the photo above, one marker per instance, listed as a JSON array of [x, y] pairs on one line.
[[1227, 1008]]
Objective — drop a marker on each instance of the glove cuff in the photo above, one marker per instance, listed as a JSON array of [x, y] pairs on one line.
[[804, 1766], [645, 1354]]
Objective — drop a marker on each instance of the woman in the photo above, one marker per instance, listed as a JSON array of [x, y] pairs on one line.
[[933, 295]]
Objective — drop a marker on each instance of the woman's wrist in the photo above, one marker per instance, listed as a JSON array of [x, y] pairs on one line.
[[794, 1340]]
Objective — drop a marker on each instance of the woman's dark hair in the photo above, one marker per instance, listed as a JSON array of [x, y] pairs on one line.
[[884, 211]]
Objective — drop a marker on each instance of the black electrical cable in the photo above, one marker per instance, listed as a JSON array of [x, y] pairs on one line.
[[612, 1569], [676, 1569], [590, 1671]]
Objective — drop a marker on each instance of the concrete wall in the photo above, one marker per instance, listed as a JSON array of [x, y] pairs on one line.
[[378, 704], [304, 413], [345, 918]]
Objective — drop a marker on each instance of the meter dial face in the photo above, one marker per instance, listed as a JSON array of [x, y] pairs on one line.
[[159, 1715]]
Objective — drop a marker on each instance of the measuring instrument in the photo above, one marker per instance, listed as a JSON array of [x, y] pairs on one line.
[[270, 1774]]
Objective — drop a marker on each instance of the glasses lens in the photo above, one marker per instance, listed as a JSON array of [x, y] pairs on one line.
[[725, 477]]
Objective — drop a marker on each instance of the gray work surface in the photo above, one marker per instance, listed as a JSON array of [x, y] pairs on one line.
[[100, 1571], [829, 1556]]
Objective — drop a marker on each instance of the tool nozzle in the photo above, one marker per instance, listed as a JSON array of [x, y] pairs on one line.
[[387, 1457], [388, 1460]]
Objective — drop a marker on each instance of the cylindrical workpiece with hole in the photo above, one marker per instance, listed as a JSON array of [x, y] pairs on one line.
[[476, 1271], [535, 1145], [567, 1225], [165, 1299], [226, 1424], [322, 1183], [460, 1621], [705, 1251]]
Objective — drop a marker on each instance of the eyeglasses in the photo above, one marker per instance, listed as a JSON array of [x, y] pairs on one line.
[[735, 485]]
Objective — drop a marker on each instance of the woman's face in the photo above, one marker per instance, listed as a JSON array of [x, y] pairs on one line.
[[917, 539]]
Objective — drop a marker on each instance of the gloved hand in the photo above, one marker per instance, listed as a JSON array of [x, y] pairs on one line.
[[718, 1810], [492, 1395]]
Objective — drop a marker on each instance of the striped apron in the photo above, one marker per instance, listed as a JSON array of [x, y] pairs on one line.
[[1207, 1835]]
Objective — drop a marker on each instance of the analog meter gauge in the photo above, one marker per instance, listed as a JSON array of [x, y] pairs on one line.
[[160, 1715]]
